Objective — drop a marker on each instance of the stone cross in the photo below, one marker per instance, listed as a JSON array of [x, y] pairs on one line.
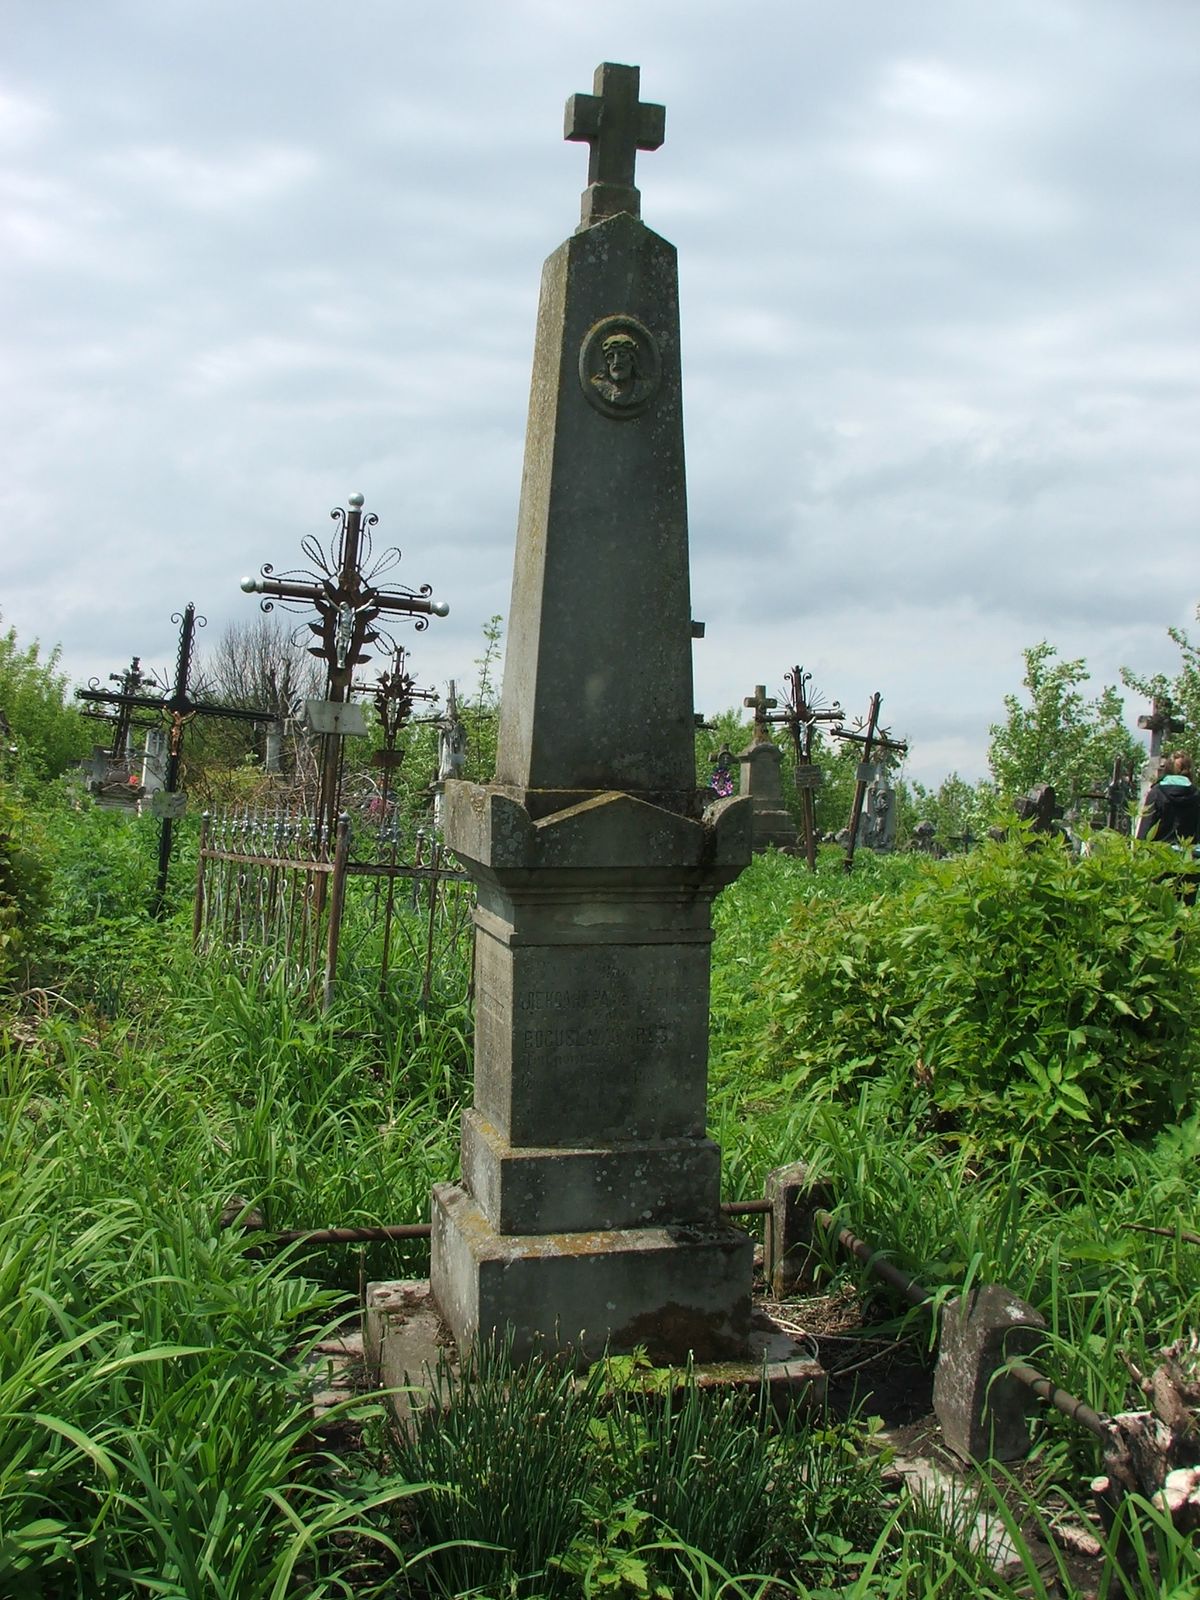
[[762, 781], [1160, 722], [616, 124], [761, 703]]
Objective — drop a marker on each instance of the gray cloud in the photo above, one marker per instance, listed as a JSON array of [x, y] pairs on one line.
[[940, 319]]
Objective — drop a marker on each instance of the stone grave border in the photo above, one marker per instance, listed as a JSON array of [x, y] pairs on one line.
[[983, 1387]]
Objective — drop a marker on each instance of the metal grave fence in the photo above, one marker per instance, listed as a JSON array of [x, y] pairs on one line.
[[371, 898]]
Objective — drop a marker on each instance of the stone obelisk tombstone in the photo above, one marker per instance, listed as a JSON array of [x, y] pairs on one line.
[[588, 1212]]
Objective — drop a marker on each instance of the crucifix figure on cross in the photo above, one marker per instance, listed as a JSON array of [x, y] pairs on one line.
[[616, 124]]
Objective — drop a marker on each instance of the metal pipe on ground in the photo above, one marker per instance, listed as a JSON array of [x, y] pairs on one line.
[[423, 1230], [916, 1294]]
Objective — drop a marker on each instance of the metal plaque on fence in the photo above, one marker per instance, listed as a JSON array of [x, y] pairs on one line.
[[334, 716]]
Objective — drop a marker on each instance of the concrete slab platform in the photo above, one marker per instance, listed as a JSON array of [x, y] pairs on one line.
[[404, 1339]]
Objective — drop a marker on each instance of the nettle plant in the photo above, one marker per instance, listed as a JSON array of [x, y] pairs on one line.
[[1016, 991]]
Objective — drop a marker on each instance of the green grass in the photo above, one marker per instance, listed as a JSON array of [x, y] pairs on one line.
[[153, 1390]]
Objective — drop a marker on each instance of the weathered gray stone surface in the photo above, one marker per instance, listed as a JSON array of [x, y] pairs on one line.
[[791, 1240], [589, 1202], [598, 666], [762, 781], [405, 1342], [670, 1290], [984, 1415], [620, 1185]]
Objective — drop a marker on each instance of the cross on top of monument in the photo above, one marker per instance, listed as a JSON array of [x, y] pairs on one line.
[[761, 702], [616, 124]]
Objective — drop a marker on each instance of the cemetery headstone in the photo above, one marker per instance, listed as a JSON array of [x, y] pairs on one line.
[[762, 781], [588, 1211], [877, 826]]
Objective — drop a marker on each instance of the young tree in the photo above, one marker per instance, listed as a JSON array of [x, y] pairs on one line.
[[41, 734], [1061, 737], [1183, 690], [255, 662], [956, 808]]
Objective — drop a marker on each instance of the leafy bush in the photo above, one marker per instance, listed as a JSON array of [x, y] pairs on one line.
[[1017, 991], [46, 735]]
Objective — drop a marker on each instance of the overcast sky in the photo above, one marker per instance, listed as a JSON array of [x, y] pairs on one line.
[[940, 285]]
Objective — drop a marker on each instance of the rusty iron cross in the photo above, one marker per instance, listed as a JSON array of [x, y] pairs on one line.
[[616, 124], [178, 708], [871, 737], [801, 716]]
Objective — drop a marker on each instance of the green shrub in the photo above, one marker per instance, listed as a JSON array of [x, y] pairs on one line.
[[1017, 991], [46, 734]]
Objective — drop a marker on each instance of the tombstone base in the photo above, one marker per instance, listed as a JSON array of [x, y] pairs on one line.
[[672, 1291], [774, 829], [407, 1345], [762, 781]]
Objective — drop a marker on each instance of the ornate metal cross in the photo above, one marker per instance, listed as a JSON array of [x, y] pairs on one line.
[[178, 708], [342, 585], [121, 718], [616, 124], [872, 738], [801, 716]]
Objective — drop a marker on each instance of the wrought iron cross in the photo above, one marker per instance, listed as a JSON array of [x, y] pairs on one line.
[[179, 708], [616, 124], [341, 585], [121, 718], [801, 715], [872, 738]]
